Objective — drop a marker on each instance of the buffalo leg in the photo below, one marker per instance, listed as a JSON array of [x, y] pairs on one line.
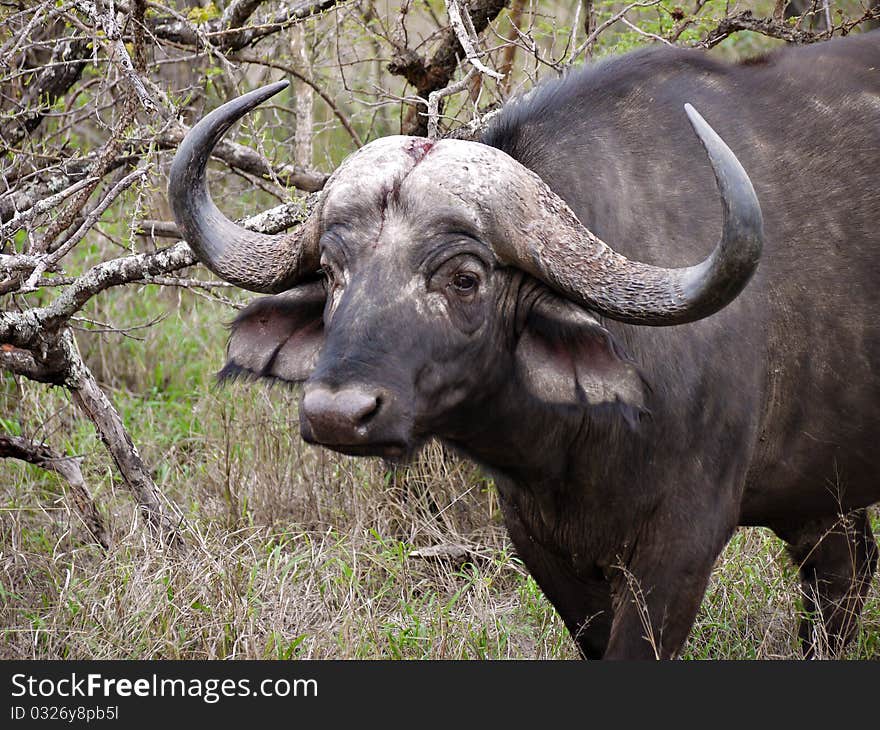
[[836, 558], [657, 594], [584, 603]]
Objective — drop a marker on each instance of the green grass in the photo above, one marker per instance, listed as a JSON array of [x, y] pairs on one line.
[[293, 551]]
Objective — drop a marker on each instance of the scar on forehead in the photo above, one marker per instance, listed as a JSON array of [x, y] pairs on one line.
[[418, 148]]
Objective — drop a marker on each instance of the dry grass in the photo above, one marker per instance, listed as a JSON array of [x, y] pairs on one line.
[[293, 551]]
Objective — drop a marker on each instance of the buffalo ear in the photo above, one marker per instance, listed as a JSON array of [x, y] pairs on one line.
[[278, 337], [564, 356]]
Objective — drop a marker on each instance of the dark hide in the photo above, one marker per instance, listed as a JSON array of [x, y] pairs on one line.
[[626, 456]]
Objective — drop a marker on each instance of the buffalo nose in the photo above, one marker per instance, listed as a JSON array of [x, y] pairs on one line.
[[340, 416]]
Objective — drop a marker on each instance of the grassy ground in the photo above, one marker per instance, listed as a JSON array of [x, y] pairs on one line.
[[293, 551]]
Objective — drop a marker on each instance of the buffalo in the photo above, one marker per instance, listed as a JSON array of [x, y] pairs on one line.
[[635, 400]]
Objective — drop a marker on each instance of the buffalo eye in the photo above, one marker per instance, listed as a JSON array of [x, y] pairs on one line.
[[465, 283], [329, 271]]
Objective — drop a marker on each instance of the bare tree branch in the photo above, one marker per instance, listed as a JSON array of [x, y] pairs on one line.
[[67, 467], [103, 162], [463, 27], [49, 369], [434, 101], [50, 260], [92, 401], [303, 138], [38, 207], [436, 74], [30, 191], [232, 37], [118, 52], [777, 28], [770, 27], [296, 73], [516, 13], [247, 160], [602, 27], [27, 329], [159, 229], [53, 81]]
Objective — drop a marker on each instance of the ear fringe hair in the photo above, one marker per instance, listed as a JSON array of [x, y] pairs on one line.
[[233, 372]]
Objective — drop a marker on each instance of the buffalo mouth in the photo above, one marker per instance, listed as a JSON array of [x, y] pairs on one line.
[[394, 451]]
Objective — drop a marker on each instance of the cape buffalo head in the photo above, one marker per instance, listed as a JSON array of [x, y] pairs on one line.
[[431, 275]]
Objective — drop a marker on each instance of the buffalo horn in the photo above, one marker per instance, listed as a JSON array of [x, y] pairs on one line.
[[544, 237], [254, 261]]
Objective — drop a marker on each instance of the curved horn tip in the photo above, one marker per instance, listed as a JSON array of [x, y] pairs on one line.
[[709, 138], [269, 90], [733, 181], [738, 253], [199, 142], [222, 245], [232, 110], [696, 118], [702, 127], [716, 148]]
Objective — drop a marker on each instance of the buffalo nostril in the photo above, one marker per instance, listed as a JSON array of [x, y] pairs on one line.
[[361, 406], [340, 416]]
